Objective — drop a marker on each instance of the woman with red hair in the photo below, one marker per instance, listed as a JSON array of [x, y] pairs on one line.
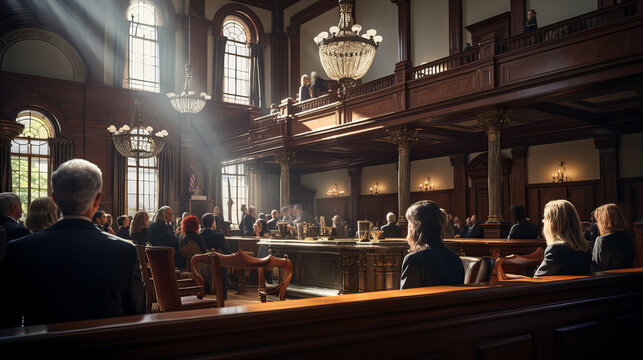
[[191, 242]]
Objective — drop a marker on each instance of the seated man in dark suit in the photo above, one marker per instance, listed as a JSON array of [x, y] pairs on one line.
[[71, 271], [123, 227], [522, 229], [10, 212], [213, 239], [391, 229], [474, 230], [160, 234], [272, 224]]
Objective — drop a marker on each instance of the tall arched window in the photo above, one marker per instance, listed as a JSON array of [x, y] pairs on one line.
[[143, 66], [236, 65], [30, 157], [142, 185]]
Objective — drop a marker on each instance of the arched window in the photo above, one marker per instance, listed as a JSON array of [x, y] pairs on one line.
[[142, 185], [143, 66], [236, 63], [30, 157]]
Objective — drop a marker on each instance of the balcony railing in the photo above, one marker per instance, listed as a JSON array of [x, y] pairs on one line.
[[371, 86], [444, 64], [574, 25]]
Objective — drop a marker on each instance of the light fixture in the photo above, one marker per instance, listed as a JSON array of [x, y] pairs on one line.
[[187, 101], [375, 189], [138, 139], [333, 191], [561, 175], [345, 55], [427, 185]]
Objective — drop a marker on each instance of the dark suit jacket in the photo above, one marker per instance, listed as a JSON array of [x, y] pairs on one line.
[[613, 251], [524, 229], [392, 230], [319, 87], [246, 225], [160, 234], [13, 228], [68, 272], [140, 238], [438, 265], [562, 260], [272, 224], [474, 232], [123, 232], [215, 240]]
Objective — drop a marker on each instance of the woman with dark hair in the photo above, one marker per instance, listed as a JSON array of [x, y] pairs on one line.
[[99, 219], [260, 228], [614, 248], [429, 262], [138, 228]]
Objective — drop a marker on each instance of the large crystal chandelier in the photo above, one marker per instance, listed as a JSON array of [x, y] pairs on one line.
[[187, 101], [345, 55], [138, 139]]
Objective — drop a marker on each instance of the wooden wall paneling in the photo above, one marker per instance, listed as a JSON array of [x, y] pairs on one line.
[[455, 26], [389, 204], [355, 175], [458, 206], [631, 193], [329, 207], [370, 208], [584, 199], [578, 341], [517, 347], [627, 334], [498, 26], [518, 176], [608, 160], [518, 16]]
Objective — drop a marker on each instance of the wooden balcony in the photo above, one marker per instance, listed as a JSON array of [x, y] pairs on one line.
[[549, 78]]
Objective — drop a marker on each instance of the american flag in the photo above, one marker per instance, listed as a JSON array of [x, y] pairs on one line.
[[192, 182]]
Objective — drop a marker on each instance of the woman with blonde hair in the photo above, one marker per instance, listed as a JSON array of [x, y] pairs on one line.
[[138, 228], [567, 252], [613, 249], [304, 89], [43, 213]]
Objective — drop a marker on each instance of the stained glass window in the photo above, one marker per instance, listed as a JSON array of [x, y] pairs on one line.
[[143, 70], [142, 185], [236, 65], [235, 185], [30, 157]]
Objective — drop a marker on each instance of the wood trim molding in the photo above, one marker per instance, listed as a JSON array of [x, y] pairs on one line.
[[313, 11]]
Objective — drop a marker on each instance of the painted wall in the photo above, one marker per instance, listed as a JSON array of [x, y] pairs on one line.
[[429, 31], [269, 193], [380, 15], [476, 10], [552, 11], [36, 57], [629, 155], [322, 181], [308, 50], [385, 175], [438, 169], [580, 156]]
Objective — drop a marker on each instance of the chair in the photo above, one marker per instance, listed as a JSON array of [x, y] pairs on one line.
[[241, 260], [477, 269], [517, 264], [168, 294]]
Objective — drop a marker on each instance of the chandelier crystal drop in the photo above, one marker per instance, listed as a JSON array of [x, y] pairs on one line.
[[188, 102], [138, 139], [345, 54]]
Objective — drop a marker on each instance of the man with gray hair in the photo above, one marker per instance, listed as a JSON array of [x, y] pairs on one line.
[[10, 212], [82, 273], [391, 229], [160, 234]]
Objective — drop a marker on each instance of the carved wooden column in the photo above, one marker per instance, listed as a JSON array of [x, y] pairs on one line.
[[518, 15], [404, 139], [518, 176], [293, 36], [455, 26], [459, 205], [492, 121], [278, 57], [607, 146], [356, 187], [404, 30], [284, 159], [8, 130], [254, 184]]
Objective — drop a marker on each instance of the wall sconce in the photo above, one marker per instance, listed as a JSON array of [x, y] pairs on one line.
[[426, 187], [561, 175], [332, 192], [375, 189]]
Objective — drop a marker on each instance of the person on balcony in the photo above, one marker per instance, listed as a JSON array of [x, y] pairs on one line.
[[304, 89], [532, 23], [319, 86]]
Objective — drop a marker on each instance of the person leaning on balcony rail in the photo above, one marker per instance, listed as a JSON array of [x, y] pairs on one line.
[[567, 252]]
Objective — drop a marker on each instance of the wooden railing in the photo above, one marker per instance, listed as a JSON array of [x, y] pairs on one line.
[[264, 121], [571, 26], [313, 103], [444, 64], [371, 86]]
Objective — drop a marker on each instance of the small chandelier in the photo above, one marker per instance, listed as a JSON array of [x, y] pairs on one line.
[[560, 176], [332, 192], [426, 187], [138, 140], [345, 55], [188, 102]]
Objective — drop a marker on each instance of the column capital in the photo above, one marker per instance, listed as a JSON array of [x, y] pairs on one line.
[[9, 129], [404, 137], [458, 159], [606, 141], [285, 158], [493, 119]]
